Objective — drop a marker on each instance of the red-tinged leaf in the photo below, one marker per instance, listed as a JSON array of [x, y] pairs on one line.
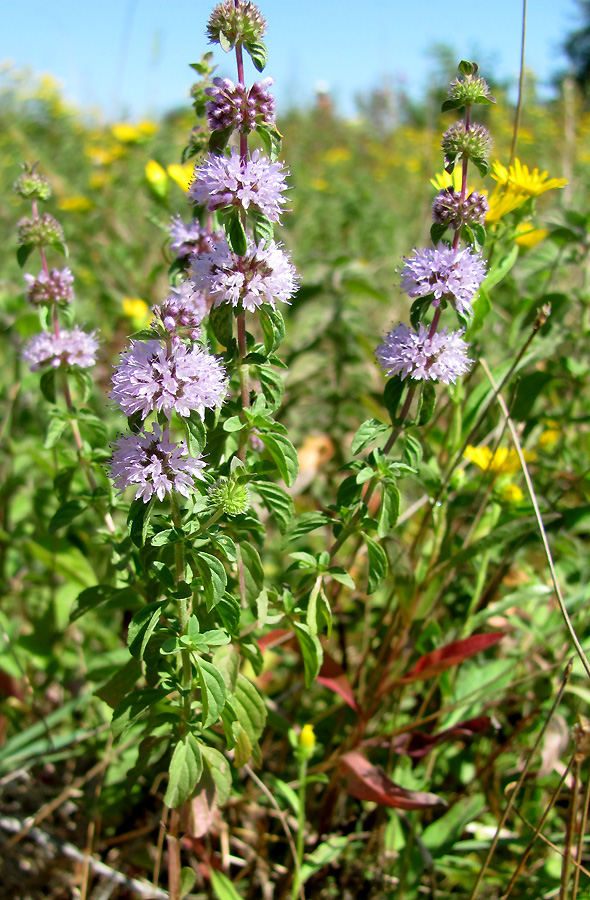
[[333, 676], [274, 638], [450, 655], [417, 744], [368, 782]]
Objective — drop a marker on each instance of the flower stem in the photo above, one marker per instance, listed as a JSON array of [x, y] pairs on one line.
[[296, 890], [244, 379]]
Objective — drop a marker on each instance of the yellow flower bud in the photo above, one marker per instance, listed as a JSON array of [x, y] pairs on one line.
[[307, 737]]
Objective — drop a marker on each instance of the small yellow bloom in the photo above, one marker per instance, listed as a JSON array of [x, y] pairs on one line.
[[182, 175], [528, 235], [511, 493], [519, 177], [319, 184], [502, 460], [157, 178], [76, 203], [336, 155], [550, 436], [443, 180], [103, 156], [502, 201], [135, 307], [98, 180], [126, 133], [307, 737], [147, 128]]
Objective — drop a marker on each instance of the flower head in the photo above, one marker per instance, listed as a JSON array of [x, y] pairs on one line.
[[442, 357], [153, 463], [461, 142], [69, 348], [152, 377], [53, 288], [263, 275], [503, 460], [222, 182], [31, 185], [39, 230], [190, 238], [229, 495], [518, 177], [471, 89], [234, 106], [181, 313], [447, 274], [235, 20], [449, 209]]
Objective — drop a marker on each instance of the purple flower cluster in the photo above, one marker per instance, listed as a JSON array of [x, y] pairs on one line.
[[152, 377], [153, 463], [234, 106], [448, 208], [263, 275], [53, 288], [222, 182], [447, 274], [181, 313], [69, 348], [442, 357], [189, 238]]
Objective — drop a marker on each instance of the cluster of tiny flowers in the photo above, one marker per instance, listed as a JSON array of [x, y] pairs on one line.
[[222, 182], [153, 463], [152, 377], [236, 20], [263, 275], [448, 274], [69, 348], [470, 89], [53, 288], [181, 313], [449, 209], [442, 357], [234, 106], [474, 142], [43, 229], [33, 186], [189, 238]]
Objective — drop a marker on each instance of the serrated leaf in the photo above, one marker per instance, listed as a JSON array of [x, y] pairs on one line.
[[277, 501], [307, 522], [196, 437], [142, 627], [236, 236], [213, 576], [250, 709], [163, 574], [378, 564], [184, 772], [311, 650], [412, 454], [220, 770], [283, 454], [393, 394], [258, 53], [271, 140], [212, 691], [427, 403], [262, 227], [253, 571], [389, 510], [271, 385], [273, 327], [369, 431]]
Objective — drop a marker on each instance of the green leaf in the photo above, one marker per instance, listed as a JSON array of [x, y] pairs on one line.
[[212, 691], [101, 593], [389, 511], [311, 650], [65, 514], [427, 403], [221, 320], [481, 308], [326, 852], [120, 683], [184, 772], [23, 252], [412, 455], [369, 431], [307, 522], [218, 139], [142, 627], [135, 707], [283, 454], [222, 886], [196, 433], [271, 140], [220, 770], [188, 878], [378, 564], [163, 574], [392, 395], [234, 230], [253, 571], [54, 432], [272, 386], [258, 53], [47, 385], [437, 231], [213, 576], [500, 269], [451, 104], [277, 501], [273, 327], [262, 228]]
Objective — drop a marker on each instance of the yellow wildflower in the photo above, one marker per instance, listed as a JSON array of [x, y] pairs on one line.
[[157, 178], [126, 133], [320, 184], [307, 737], [511, 493], [502, 460], [551, 435], [182, 175], [503, 201], [147, 128], [76, 203], [529, 236], [518, 177], [336, 155], [136, 308], [443, 180], [102, 156], [98, 180]]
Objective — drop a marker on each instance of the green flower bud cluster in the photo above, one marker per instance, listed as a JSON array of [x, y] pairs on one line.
[[229, 495], [39, 230], [468, 90], [231, 23], [32, 186], [473, 143]]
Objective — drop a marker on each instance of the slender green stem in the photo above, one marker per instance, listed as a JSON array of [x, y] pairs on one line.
[[520, 86], [183, 610]]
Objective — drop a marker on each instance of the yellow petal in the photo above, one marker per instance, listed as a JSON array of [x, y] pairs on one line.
[[182, 175]]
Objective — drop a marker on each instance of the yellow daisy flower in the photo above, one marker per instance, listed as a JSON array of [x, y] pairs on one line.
[[182, 175], [528, 235], [504, 460], [75, 203], [519, 177], [126, 133], [511, 493]]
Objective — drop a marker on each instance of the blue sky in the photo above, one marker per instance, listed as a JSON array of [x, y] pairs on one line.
[[129, 58]]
